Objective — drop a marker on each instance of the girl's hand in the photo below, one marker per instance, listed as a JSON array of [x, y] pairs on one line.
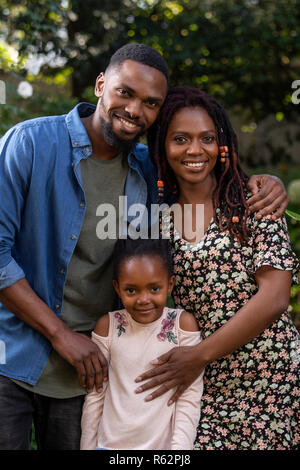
[[269, 196], [177, 368]]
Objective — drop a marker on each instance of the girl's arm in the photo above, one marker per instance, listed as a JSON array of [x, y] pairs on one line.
[[180, 367], [94, 401]]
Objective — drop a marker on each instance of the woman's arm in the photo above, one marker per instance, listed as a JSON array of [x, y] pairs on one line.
[[180, 367], [187, 408]]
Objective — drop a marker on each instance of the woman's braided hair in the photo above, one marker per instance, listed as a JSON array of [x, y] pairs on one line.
[[229, 194]]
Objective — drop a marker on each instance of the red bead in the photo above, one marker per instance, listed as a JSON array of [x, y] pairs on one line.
[[160, 184]]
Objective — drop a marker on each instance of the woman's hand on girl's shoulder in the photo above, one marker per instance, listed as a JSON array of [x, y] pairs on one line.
[[102, 326], [187, 322]]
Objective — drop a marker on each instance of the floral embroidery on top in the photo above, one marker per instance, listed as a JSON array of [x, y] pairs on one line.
[[167, 327], [121, 322]]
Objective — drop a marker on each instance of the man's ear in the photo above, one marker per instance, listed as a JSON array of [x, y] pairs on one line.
[[99, 85]]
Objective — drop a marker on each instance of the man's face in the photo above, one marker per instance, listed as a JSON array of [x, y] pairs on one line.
[[131, 96]]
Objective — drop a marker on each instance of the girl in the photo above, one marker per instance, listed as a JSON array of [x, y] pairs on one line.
[[236, 281], [117, 418]]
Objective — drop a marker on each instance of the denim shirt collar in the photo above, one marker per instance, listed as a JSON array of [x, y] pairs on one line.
[[79, 136]]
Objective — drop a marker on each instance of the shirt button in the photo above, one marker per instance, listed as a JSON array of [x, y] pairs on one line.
[[73, 237], [82, 204], [62, 271], [57, 306]]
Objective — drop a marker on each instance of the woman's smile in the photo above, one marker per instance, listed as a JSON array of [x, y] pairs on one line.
[[191, 145]]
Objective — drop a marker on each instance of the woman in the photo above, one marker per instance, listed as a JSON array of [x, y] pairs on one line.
[[236, 281]]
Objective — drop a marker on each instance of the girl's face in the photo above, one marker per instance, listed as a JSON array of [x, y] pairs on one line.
[[143, 286], [191, 145]]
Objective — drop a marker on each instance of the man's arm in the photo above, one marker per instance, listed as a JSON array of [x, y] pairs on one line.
[[187, 407], [269, 196], [76, 348], [16, 161]]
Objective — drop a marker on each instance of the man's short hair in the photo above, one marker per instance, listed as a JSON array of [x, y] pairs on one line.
[[140, 53]]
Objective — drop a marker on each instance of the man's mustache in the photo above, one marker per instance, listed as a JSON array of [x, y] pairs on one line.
[[136, 121]]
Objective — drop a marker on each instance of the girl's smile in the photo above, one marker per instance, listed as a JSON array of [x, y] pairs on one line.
[[143, 286]]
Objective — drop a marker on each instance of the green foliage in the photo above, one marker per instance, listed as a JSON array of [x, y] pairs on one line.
[[245, 53]]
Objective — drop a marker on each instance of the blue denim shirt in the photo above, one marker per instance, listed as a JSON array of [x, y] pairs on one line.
[[42, 207]]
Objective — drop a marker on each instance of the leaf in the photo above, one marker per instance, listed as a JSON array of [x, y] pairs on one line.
[[293, 215], [172, 337]]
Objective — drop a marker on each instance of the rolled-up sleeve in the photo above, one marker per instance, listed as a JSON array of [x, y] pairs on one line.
[[15, 170]]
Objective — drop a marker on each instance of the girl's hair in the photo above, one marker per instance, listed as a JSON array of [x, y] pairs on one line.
[[229, 194], [128, 248]]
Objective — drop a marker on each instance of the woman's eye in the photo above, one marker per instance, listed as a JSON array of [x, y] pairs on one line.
[[208, 139], [180, 139]]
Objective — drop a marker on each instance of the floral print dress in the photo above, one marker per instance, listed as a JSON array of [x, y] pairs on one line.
[[251, 397]]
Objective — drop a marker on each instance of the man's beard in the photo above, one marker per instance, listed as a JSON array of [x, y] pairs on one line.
[[124, 146]]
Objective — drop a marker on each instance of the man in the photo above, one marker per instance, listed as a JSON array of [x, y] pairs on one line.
[[55, 274]]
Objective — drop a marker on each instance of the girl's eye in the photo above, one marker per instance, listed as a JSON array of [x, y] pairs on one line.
[[130, 290], [155, 289]]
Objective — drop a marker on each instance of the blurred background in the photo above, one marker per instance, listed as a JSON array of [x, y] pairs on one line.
[[245, 53]]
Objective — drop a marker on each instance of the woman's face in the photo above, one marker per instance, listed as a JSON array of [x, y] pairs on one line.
[[191, 145]]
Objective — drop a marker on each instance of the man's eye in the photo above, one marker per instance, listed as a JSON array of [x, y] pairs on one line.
[[122, 92], [152, 104]]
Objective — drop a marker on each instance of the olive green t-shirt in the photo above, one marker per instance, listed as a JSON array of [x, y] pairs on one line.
[[88, 292]]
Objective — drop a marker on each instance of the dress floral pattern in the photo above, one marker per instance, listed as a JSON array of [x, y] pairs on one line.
[[251, 397]]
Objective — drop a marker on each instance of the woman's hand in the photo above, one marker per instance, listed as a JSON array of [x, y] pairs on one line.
[[178, 369], [269, 196]]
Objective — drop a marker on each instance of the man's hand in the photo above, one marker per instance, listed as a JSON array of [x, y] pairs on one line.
[[177, 368], [84, 355], [269, 196]]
